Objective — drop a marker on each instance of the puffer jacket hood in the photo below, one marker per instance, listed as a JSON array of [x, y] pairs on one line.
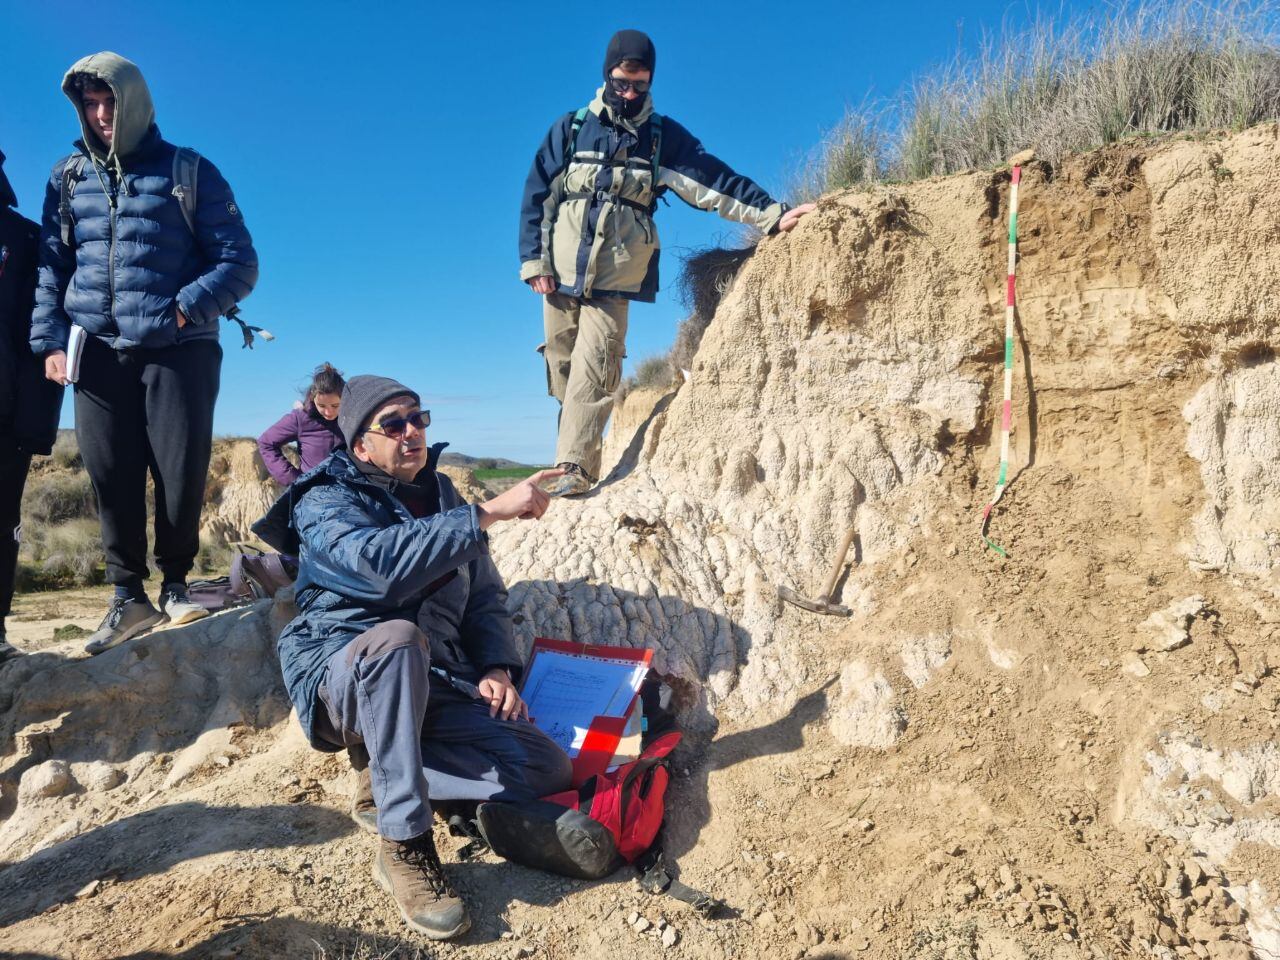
[[7, 197], [135, 113]]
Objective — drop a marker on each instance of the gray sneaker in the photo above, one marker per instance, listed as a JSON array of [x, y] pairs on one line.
[[125, 619], [178, 607], [8, 651]]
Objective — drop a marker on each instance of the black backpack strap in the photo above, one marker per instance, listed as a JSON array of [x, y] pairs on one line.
[[655, 135], [655, 878], [72, 172], [186, 171], [469, 829], [571, 145]]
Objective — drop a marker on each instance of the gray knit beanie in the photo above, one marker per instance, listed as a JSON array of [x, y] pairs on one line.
[[361, 398]]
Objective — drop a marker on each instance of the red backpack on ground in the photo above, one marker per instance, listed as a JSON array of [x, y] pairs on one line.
[[588, 833]]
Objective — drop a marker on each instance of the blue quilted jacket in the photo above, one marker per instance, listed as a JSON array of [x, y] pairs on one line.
[[363, 559], [135, 260]]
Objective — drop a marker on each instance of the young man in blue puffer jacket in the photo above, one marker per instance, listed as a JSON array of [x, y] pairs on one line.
[[119, 259]]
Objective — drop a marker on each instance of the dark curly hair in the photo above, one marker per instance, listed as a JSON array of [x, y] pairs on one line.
[[80, 82], [326, 379]]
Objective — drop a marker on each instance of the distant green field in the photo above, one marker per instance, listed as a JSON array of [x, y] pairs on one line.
[[518, 473]]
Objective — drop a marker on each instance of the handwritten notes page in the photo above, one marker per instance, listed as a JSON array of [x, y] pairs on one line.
[[566, 691]]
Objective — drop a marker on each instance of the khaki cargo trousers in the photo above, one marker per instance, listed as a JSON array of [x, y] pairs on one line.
[[586, 341]]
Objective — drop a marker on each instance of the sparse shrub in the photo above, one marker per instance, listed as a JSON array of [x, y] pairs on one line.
[[66, 451], [66, 555], [705, 277], [50, 500], [655, 371], [1144, 68], [214, 556], [853, 153]]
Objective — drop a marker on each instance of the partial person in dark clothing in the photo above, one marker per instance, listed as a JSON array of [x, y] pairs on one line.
[[29, 404], [312, 425], [403, 645], [143, 247]]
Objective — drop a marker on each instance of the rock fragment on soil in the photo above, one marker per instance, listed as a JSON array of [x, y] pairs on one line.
[[1170, 628], [100, 776], [1134, 666], [49, 779]]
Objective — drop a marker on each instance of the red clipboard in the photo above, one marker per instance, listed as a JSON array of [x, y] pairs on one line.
[[604, 732]]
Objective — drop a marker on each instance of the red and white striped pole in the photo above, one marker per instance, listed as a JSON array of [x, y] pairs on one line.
[[1006, 409]]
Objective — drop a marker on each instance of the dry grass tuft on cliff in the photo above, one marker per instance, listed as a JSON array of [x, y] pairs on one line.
[[1064, 87]]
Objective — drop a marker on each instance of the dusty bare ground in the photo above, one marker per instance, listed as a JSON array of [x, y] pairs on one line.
[[1069, 753], [38, 617]]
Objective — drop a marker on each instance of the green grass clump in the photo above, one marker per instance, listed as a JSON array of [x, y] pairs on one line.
[[656, 371], [506, 473], [1065, 87], [68, 554], [49, 500]]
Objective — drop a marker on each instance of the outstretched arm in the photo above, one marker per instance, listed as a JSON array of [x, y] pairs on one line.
[[355, 554], [705, 181]]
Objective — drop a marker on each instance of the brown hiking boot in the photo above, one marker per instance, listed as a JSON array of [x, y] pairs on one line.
[[363, 810], [411, 872]]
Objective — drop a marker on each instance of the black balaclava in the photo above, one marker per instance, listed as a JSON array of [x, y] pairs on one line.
[[628, 45]]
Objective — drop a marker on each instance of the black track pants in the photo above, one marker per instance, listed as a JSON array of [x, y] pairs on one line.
[[13, 476], [140, 410]]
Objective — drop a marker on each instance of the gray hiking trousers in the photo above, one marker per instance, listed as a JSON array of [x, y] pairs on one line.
[[425, 739], [586, 341]]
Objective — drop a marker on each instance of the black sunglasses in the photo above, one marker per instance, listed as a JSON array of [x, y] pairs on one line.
[[396, 427], [622, 85]]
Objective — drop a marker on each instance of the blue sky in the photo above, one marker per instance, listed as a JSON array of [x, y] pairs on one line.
[[378, 151]]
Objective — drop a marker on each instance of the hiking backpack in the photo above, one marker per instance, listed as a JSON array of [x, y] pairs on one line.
[[655, 128], [613, 819], [590, 832], [254, 576], [186, 172]]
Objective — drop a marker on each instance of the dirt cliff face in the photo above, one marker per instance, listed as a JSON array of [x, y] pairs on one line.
[[239, 491], [1068, 753]]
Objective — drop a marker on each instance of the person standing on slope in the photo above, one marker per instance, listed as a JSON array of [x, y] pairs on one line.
[[589, 246], [312, 425], [143, 246], [29, 404]]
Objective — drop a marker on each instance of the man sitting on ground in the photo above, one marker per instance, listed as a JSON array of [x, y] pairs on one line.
[[388, 550]]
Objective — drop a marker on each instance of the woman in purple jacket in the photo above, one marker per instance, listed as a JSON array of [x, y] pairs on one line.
[[312, 425]]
